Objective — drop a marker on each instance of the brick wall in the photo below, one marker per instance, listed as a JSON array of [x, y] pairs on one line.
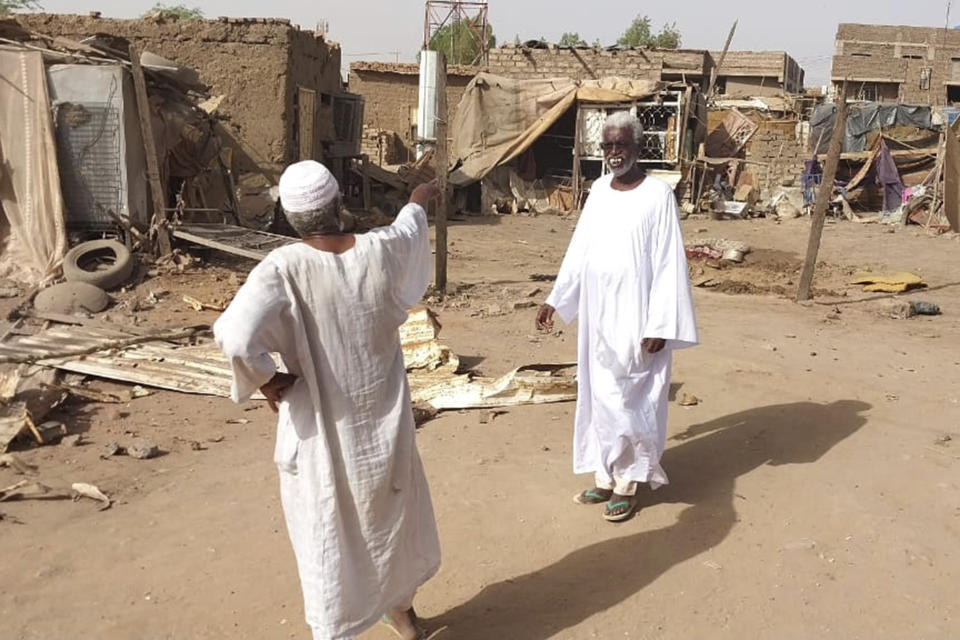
[[254, 64], [919, 59], [778, 155], [585, 64]]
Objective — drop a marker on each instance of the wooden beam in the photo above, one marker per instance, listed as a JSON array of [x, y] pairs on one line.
[[441, 164], [159, 222], [365, 168], [824, 194]]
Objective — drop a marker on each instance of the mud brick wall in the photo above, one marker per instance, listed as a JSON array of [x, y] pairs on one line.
[[776, 156], [256, 64], [391, 97], [905, 56], [384, 147], [585, 64]]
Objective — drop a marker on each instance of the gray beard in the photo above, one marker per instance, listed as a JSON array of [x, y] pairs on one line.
[[623, 169]]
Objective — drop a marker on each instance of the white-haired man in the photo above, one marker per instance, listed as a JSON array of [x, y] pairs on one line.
[[352, 486], [625, 278]]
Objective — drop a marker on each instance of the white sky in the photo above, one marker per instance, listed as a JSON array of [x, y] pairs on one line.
[[391, 30]]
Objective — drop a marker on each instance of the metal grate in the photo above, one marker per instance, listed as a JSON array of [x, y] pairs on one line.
[[88, 150]]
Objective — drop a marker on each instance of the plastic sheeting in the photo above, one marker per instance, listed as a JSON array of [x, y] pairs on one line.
[[863, 118], [499, 118], [29, 179]]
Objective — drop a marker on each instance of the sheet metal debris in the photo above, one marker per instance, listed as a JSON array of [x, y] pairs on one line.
[[202, 369]]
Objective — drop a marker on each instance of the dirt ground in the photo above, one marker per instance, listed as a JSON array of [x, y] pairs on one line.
[[814, 490]]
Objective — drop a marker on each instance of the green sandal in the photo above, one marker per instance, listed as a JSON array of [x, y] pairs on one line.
[[593, 496], [630, 502]]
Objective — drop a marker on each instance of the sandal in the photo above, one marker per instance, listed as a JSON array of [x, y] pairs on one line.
[[388, 623], [593, 496], [628, 503]]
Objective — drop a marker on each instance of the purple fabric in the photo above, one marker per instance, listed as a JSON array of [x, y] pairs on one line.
[[887, 175]]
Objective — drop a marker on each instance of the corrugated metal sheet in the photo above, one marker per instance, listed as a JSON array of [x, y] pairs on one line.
[[202, 369]]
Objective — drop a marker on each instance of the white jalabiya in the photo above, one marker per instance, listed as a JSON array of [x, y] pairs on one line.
[[352, 486], [625, 277]]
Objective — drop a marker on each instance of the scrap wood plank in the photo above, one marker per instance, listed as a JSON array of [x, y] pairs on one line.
[[150, 148]]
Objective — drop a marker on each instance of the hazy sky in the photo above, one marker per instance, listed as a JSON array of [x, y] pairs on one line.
[[393, 29]]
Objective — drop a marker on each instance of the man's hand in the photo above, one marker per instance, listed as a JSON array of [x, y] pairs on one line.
[[424, 194], [545, 318], [653, 345], [274, 390]]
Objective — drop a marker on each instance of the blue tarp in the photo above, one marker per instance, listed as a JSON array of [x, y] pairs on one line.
[[863, 118]]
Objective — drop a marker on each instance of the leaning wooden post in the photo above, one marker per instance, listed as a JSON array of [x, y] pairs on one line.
[[440, 166], [824, 194], [159, 221]]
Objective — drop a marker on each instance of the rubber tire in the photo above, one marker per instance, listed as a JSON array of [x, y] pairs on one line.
[[110, 278]]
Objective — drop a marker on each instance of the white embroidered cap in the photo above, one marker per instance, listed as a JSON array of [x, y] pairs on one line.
[[307, 186]]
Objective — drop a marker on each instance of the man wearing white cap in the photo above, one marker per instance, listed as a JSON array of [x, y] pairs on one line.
[[352, 486]]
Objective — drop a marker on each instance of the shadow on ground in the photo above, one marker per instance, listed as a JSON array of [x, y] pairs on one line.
[[703, 469]]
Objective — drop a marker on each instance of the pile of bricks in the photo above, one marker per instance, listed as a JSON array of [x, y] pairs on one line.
[[383, 146]]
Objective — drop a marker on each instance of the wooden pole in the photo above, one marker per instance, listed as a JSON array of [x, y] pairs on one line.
[[575, 182], [159, 221], [823, 197], [440, 166], [364, 164]]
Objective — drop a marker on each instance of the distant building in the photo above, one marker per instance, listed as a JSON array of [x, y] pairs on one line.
[[886, 63], [749, 74]]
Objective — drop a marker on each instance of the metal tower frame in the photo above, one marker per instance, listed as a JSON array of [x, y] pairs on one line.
[[441, 13]]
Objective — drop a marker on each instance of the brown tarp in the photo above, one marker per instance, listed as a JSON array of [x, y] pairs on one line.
[[951, 177], [499, 118], [29, 179]]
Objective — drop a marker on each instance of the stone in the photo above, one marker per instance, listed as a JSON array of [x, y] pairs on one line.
[[143, 450], [70, 298]]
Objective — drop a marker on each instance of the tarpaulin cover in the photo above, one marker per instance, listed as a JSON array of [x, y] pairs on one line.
[[863, 118], [29, 179], [499, 118]]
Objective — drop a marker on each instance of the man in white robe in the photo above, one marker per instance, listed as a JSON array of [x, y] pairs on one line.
[[624, 277], [352, 486]]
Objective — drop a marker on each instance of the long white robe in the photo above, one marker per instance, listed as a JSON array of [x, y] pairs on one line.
[[625, 277], [353, 490]]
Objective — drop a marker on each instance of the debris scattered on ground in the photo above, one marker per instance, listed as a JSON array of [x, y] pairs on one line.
[[71, 297], [524, 304], [423, 413], [51, 432], [139, 392], [238, 421], [93, 492], [74, 440], [687, 400], [112, 449], [15, 463], [27, 490], [489, 416], [943, 440], [923, 308], [893, 282], [9, 292], [142, 450], [197, 305]]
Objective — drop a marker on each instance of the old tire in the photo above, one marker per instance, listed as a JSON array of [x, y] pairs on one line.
[[103, 263]]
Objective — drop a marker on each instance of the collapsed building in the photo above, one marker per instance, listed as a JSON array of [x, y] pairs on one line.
[[275, 90]]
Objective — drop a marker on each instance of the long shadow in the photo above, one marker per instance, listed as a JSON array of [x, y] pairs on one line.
[[703, 469]]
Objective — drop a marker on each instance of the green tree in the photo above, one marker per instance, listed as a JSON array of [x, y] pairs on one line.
[[179, 11], [640, 34], [459, 43], [9, 6], [572, 39]]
